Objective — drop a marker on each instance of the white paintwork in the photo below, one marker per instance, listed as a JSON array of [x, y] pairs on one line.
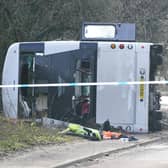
[[116, 103], [164, 100], [54, 47], [142, 108], [10, 76], [41, 103], [121, 105]]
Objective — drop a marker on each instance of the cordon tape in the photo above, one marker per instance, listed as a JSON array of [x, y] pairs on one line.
[[84, 84]]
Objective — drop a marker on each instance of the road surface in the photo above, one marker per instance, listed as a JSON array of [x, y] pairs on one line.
[[153, 156]]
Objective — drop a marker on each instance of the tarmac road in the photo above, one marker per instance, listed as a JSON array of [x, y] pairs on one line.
[[151, 156], [80, 154]]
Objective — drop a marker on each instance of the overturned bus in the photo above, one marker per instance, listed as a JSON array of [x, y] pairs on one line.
[[85, 80]]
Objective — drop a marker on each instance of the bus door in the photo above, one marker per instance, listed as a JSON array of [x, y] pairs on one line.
[[27, 61]]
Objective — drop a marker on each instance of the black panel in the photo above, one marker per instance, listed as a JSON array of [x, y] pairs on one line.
[[155, 59], [42, 64], [90, 50], [154, 99], [63, 68], [32, 47], [41, 73]]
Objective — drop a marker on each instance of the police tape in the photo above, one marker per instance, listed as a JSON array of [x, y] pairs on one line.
[[83, 84]]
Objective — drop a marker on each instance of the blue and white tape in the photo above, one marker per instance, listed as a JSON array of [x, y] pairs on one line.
[[85, 84]]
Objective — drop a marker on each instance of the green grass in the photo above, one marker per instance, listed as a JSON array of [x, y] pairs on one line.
[[15, 135]]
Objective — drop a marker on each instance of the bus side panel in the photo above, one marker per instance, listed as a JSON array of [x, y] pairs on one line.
[[10, 77], [142, 96], [116, 103]]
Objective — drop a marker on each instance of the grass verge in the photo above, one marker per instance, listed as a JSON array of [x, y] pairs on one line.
[[15, 135]]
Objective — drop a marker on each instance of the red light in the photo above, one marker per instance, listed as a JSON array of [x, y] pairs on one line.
[[142, 46], [121, 46]]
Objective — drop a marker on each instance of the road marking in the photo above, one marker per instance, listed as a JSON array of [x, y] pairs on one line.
[[158, 147]]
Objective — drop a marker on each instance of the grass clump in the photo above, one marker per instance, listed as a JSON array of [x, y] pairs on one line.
[[15, 135]]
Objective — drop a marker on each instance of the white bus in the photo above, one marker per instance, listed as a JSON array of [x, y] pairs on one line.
[[104, 61]]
